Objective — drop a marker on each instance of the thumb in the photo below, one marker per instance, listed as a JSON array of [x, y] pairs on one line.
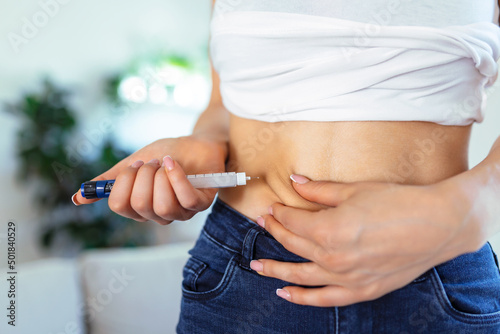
[[110, 174], [322, 192]]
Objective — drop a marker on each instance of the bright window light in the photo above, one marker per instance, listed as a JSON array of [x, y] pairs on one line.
[[133, 89]]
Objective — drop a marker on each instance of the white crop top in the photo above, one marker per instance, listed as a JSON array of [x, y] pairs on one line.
[[355, 60]]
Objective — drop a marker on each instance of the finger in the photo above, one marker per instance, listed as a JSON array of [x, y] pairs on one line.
[[298, 221], [165, 203], [189, 197], [110, 174], [305, 273], [119, 198], [291, 241], [328, 296], [141, 199], [325, 228], [322, 192]]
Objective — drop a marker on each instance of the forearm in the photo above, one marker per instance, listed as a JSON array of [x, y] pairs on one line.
[[478, 196], [213, 123]]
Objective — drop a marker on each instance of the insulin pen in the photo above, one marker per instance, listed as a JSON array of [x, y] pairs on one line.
[[102, 189]]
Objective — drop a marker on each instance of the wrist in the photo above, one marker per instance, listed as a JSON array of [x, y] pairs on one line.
[[465, 210], [210, 135], [219, 140], [213, 125]]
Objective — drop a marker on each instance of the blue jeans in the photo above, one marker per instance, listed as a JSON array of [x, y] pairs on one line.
[[221, 294]]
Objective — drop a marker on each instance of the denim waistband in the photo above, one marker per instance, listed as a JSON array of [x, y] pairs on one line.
[[238, 234]]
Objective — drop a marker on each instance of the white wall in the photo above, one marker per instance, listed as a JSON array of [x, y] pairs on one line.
[[81, 43], [86, 39]]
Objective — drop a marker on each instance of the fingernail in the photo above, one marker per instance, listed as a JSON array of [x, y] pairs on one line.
[[283, 294], [74, 200], [299, 179], [168, 162], [154, 161], [257, 266], [270, 210], [261, 222], [137, 164]]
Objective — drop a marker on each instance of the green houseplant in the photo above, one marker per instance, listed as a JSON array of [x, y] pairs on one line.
[[48, 124]]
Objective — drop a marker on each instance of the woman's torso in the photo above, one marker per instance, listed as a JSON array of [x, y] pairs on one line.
[[402, 152], [389, 151]]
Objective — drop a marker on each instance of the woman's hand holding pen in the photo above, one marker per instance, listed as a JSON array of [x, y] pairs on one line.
[[373, 239], [151, 183]]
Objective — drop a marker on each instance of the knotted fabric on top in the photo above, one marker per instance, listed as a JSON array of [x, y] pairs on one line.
[[290, 67]]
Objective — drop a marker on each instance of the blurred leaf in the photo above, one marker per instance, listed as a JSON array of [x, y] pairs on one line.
[[48, 124]]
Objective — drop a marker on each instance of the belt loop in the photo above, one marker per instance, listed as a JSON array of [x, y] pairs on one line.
[[247, 250], [495, 257]]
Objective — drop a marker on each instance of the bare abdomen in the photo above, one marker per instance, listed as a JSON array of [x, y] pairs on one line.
[[401, 152]]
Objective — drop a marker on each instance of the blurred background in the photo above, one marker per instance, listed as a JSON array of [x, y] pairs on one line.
[[82, 85]]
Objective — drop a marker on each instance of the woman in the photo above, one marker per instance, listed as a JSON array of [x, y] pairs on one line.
[[374, 101]]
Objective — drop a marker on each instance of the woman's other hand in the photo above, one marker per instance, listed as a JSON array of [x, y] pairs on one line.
[[372, 239]]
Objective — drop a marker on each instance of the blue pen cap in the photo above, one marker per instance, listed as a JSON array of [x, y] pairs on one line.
[[97, 189]]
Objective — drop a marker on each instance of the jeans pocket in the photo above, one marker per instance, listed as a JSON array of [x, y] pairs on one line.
[[468, 287], [201, 281]]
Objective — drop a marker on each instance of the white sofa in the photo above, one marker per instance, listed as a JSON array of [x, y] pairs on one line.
[[121, 291]]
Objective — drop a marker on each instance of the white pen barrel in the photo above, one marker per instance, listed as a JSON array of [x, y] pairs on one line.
[[217, 180]]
